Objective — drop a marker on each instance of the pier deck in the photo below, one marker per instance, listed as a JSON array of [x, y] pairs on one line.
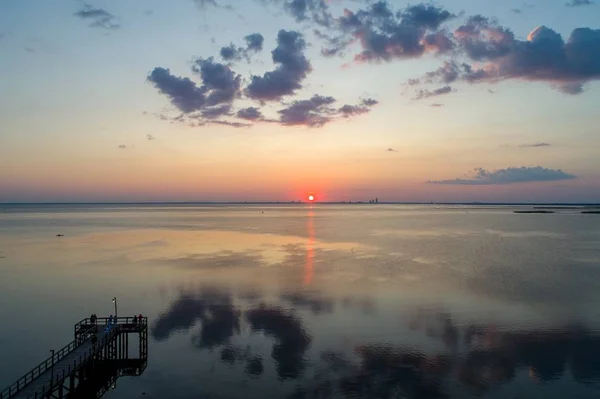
[[98, 349]]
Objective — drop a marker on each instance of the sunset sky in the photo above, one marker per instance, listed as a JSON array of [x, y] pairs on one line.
[[251, 100]]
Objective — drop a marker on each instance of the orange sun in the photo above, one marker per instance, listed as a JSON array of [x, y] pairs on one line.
[[311, 197]]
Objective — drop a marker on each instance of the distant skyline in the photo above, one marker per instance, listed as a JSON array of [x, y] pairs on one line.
[[270, 100]]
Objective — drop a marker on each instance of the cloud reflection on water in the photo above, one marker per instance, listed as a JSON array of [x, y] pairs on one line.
[[475, 358]]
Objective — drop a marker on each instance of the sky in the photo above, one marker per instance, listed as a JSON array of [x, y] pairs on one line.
[[273, 100]]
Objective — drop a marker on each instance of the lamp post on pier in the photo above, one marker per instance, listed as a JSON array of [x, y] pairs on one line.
[[115, 302]]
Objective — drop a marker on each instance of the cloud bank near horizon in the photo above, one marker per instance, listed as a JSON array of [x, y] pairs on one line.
[[509, 175]]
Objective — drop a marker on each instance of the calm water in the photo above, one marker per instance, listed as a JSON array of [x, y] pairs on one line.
[[372, 301]]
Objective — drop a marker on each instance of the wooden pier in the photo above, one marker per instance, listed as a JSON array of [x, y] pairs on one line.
[[89, 365]]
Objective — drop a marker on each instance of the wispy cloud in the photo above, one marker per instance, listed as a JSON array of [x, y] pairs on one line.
[[579, 3], [250, 113], [150, 137], [391, 150], [481, 176], [421, 94], [123, 147], [535, 145], [98, 17]]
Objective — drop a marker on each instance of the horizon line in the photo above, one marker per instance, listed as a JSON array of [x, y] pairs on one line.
[[299, 202]]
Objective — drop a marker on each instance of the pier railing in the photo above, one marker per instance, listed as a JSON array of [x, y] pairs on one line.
[[38, 370], [82, 328]]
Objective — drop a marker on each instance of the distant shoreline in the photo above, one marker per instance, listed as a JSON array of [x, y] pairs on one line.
[[543, 205]]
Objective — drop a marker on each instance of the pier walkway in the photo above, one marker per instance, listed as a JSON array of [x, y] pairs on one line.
[[88, 365]]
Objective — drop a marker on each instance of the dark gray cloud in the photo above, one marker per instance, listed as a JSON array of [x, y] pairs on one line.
[[384, 36], [482, 38], [579, 3], [250, 113], [349, 110], [216, 111], [314, 112], [204, 104], [98, 17], [292, 69], [231, 53], [423, 93], [315, 11], [254, 44], [220, 83], [447, 73], [369, 102], [336, 44], [535, 145], [509, 175], [543, 57], [516, 10], [319, 110], [183, 92]]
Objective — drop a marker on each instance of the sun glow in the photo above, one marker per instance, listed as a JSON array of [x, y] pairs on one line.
[[311, 197]]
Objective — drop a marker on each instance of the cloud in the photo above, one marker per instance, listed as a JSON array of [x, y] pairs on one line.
[[543, 57], [316, 11], [369, 102], [203, 103], [436, 105], [319, 110], [150, 137], [183, 92], [421, 94], [391, 150], [579, 3], [482, 38], [516, 10], [216, 111], [254, 44], [250, 113], [508, 176], [292, 69], [220, 83], [98, 17], [314, 112], [385, 36], [231, 53], [232, 124], [348, 110], [535, 145], [123, 146]]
